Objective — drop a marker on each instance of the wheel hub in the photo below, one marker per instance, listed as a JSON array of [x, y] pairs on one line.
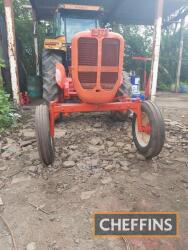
[[144, 136]]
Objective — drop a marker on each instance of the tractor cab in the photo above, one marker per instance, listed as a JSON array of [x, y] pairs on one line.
[[70, 19], [68, 23]]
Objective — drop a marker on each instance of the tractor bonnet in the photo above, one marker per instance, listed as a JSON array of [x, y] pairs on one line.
[[97, 62]]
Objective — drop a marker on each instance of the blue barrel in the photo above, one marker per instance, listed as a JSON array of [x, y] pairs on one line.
[[183, 88], [135, 81], [34, 87]]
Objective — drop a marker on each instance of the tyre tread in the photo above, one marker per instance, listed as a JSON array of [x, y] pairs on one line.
[[45, 145], [50, 87], [157, 139]]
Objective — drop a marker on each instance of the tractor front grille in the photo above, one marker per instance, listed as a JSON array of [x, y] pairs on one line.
[[87, 56], [110, 52], [87, 79], [87, 51], [92, 68], [108, 80], [110, 58]]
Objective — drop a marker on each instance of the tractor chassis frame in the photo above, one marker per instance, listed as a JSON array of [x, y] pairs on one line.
[[55, 108]]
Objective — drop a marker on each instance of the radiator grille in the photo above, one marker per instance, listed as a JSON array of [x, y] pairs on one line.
[[110, 52], [88, 61], [87, 79], [87, 51], [108, 80], [87, 56]]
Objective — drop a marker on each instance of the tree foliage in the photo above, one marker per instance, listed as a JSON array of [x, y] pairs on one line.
[[1, 7], [184, 72], [6, 117], [24, 33], [169, 55], [139, 43]]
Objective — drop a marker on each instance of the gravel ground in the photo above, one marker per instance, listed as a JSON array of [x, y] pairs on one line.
[[97, 168]]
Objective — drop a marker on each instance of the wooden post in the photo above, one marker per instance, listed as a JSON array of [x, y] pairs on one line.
[[9, 18], [36, 47], [156, 47], [181, 43]]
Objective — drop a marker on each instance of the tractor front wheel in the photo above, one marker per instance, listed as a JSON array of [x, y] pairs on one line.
[[150, 143], [44, 140]]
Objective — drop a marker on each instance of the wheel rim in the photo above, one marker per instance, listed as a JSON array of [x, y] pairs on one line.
[[143, 138]]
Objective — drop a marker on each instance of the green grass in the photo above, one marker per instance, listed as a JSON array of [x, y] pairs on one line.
[[163, 87], [6, 111]]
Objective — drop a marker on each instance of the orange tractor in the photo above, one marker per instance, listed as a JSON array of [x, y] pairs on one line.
[[94, 79]]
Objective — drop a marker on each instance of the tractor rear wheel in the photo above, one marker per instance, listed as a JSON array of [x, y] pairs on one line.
[[44, 140], [125, 89], [149, 144], [49, 60], [126, 86]]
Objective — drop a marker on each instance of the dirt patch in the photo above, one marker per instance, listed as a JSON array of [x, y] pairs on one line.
[[97, 169]]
